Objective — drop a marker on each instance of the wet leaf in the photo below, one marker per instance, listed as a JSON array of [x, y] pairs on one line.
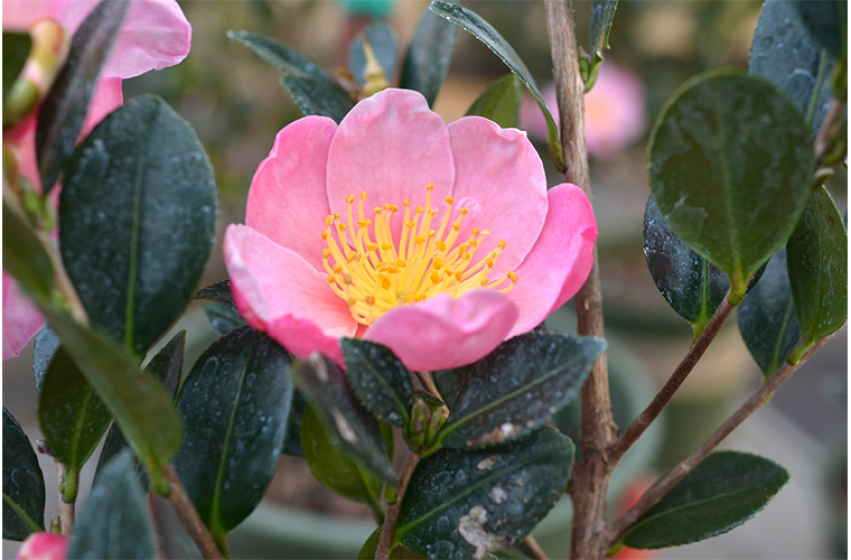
[[313, 90], [112, 524], [23, 483], [24, 255], [218, 293], [350, 426], [483, 31], [138, 214], [721, 493], [381, 41], [449, 383], [72, 418], [826, 20], [468, 503], [518, 386], [45, 347], [767, 317], [334, 468], [16, 49], [783, 53], [62, 112], [380, 381], [817, 261], [500, 102], [428, 57], [235, 404], [602, 14], [731, 162], [223, 319], [292, 446]]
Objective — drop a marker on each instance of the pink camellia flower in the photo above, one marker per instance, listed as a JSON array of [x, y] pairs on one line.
[[614, 111], [155, 34], [43, 546], [437, 241]]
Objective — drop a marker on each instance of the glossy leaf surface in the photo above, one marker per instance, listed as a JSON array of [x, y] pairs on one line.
[[223, 319], [767, 317], [500, 102], [45, 347], [71, 416], [826, 20], [721, 493], [334, 468], [62, 112], [219, 292], [23, 483], [817, 261], [235, 405], [731, 162], [469, 503], [383, 45], [380, 381], [518, 386], [483, 31], [113, 524], [602, 14], [292, 445], [428, 57], [138, 214], [350, 426], [783, 52], [16, 49]]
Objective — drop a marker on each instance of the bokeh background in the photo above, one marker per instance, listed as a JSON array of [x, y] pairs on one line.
[[237, 105]]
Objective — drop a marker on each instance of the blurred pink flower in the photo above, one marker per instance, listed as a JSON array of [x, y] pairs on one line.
[[614, 111], [155, 34], [480, 251], [43, 546]]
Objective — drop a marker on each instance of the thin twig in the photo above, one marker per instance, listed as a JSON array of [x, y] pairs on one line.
[[66, 509], [590, 478], [534, 548], [383, 549], [822, 142], [188, 515], [428, 385], [634, 430], [666, 483]]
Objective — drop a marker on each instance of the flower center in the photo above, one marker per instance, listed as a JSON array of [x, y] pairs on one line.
[[372, 273]]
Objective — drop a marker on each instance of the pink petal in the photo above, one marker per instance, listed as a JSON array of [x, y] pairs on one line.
[[270, 282], [390, 146], [43, 546], [287, 201], [21, 318], [106, 98], [560, 261], [444, 333], [500, 179], [302, 338], [19, 14]]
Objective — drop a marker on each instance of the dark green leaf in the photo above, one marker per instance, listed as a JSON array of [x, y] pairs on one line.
[[138, 214], [16, 49], [518, 386], [724, 491], [45, 347], [500, 102], [483, 31], [380, 39], [292, 446], [826, 20], [730, 168], [235, 404], [350, 426], [467, 504], [23, 483], [449, 383], [24, 255], [71, 417], [379, 379], [817, 260], [112, 523], [313, 90], [334, 468], [397, 552], [783, 53], [767, 317], [61, 115], [223, 319], [428, 56], [602, 14], [217, 293], [693, 287]]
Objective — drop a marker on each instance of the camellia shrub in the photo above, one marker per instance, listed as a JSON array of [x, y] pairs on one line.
[[392, 276]]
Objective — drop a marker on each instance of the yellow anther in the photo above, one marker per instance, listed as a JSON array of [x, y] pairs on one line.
[[449, 200], [363, 196], [326, 253], [386, 246], [347, 278], [329, 220], [466, 256], [511, 276], [476, 232], [342, 227], [351, 256], [430, 187], [489, 263], [336, 216], [331, 279], [501, 244], [462, 248], [370, 300], [393, 208], [377, 210], [458, 275], [350, 199], [338, 268], [437, 263], [372, 246], [419, 210], [410, 224], [456, 227], [364, 223], [463, 211], [324, 234], [435, 277], [431, 212], [474, 242], [420, 240], [352, 302], [385, 283], [406, 202], [484, 282], [431, 233], [486, 232]]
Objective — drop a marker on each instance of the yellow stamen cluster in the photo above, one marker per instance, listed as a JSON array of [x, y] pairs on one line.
[[373, 273]]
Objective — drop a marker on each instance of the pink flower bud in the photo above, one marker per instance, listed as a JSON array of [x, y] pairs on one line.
[[43, 546]]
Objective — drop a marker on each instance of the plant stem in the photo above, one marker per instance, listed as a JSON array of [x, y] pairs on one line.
[[534, 549], [383, 549], [634, 430], [188, 515], [666, 483], [66, 509], [590, 478], [428, 385]]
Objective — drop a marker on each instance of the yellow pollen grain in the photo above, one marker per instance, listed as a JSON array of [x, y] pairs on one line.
[[449, 200], [350, 199]]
